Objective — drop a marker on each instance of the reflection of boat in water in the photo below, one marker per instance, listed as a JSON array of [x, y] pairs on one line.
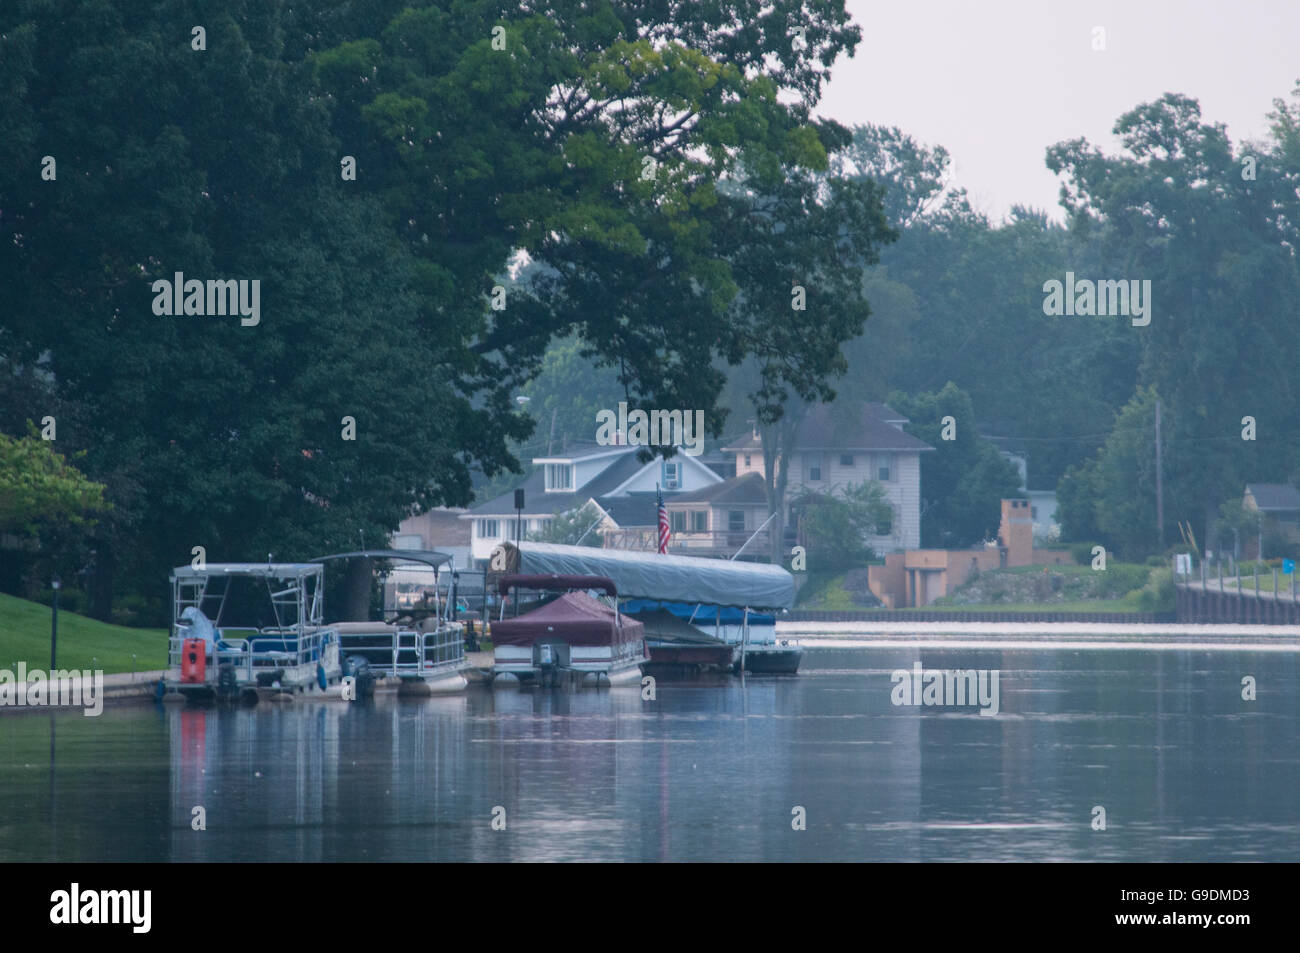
[[237, 627], [422, 651], [573, 635], [699, 613]]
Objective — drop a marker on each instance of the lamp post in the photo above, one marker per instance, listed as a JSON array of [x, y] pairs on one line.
[[56, 584], [519, 515]]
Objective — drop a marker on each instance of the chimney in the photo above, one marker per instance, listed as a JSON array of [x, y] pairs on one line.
[[1016, 533]]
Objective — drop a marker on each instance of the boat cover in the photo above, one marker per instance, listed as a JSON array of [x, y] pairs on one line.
[[638, 575], [575, 617]]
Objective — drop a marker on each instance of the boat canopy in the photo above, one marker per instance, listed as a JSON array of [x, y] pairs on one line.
[[258, 570], [553, 582], [575, 618], [638, 575], [427, 556]]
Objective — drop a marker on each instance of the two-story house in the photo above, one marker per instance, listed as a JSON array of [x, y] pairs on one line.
[[834, 451], [617, 488]]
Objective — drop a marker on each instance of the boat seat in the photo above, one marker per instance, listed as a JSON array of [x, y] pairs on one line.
[[363, 628]]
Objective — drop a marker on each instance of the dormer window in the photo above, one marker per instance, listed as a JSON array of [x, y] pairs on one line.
[[559, 477], [672, 475]]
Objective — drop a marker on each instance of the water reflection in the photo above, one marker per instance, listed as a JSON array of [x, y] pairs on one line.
[[1185, 768]]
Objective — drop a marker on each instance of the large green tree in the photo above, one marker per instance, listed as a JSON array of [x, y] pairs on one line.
[[965, 478]]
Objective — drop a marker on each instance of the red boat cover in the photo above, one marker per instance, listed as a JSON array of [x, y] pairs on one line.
[[575, 617]]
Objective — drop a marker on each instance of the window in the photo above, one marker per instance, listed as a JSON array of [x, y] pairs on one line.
[[489, 529], [699, 521], [677, 521], [746, 459], [736, 521], [408, 541], [886, 526], [812, 468], [559, 477], [672, 475], [846, 459], [884, 467], [1033, 512]]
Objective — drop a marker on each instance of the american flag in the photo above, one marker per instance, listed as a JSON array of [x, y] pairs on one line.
[[663, 521]]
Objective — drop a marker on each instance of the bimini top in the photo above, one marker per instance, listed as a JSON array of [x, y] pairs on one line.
[[693, 579], [427, 556], [266, 570]]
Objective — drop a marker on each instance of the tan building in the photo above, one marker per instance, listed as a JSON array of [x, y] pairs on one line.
[[919, 576]]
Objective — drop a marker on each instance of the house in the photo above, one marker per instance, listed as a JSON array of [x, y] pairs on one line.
[[1279, 506], [833, 450], [619, 487], [440, 529], [718, 520]]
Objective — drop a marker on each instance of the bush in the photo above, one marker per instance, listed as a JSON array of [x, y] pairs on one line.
[[1157, 561], [1082, 553], [1158, 594], [1119, 579]]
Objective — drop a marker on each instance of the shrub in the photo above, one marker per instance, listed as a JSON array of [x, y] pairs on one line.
[[1082, 553]]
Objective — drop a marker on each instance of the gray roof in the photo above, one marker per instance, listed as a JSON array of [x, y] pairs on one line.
[[820, 429], [745, 489], [1274, 496], [537, 500], [633, 509]]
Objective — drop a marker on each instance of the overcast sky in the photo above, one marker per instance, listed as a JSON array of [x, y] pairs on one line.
[[997, 82]]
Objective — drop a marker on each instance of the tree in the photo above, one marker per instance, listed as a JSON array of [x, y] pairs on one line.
[[573, 528], [834, 526], [1212, 227], [40, 489], [965, 478]]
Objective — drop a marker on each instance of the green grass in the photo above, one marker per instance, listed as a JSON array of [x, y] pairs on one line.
[[25, 637]]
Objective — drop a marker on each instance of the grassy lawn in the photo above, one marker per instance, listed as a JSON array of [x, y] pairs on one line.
[[25, 637]]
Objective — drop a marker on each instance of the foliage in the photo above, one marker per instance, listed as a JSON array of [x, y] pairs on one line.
[[964, 480], [39, 488], [568, 528], [835, 526]]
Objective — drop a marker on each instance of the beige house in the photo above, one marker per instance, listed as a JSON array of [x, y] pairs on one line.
[[834, 451]]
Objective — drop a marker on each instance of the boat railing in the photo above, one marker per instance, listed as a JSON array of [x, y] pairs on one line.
[[403, 651], [271, 647]]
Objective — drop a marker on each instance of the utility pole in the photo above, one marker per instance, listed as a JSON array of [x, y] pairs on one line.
[[550, 441], [1160, 484]]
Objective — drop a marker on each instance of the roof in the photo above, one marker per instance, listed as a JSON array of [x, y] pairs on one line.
[[870, 429], [574, 617], [537, 500], [633, 509], [748, 488], [1274, 496], [641, 575], [267, 570]]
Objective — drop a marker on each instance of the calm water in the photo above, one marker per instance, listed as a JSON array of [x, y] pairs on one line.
[[1185, 769]]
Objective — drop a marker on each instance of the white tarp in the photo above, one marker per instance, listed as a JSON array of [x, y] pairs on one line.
[[713, 582]]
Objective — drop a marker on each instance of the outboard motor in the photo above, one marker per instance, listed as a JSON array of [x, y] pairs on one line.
[[358, 668]]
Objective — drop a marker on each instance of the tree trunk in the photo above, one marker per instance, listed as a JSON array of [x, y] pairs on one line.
[[356, 590]]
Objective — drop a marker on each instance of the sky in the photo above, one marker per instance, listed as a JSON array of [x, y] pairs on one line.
[[997, 82]]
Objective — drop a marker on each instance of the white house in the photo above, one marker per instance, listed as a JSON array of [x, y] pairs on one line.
[[620, 488], [834, 451]]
